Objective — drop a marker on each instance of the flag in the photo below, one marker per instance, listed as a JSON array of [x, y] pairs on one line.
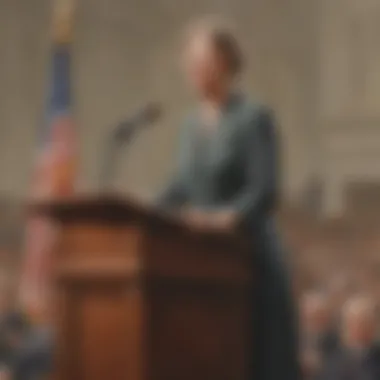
[[53, 177]]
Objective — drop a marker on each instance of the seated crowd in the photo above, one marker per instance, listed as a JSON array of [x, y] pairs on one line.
[[338, 312], [339, 344]]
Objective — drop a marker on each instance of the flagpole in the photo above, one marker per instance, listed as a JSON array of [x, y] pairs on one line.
[[62, 22]]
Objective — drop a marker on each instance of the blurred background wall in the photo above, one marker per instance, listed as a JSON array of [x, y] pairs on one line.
[[316, 62], [313, 61]]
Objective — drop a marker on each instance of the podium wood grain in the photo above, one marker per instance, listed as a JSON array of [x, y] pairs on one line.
[[138, 297]]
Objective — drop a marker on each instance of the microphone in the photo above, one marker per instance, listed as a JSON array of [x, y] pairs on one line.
[[123, 133], [144, 117]]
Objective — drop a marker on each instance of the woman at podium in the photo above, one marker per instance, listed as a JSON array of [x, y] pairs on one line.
[[227, 178]]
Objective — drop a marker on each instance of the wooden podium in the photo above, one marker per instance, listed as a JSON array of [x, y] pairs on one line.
[[139, 297]]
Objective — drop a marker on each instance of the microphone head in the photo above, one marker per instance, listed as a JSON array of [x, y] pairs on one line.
[[143, 118], [152, 112]]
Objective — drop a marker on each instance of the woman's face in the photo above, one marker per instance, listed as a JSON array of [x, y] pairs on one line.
[[205, 67]]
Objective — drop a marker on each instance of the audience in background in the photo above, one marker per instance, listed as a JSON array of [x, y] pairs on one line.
[[338, 300], [338, 290], [319, 335], [32, 361], [14, 332], [358, 357], [25, 351], [5, 307], [5, 343]]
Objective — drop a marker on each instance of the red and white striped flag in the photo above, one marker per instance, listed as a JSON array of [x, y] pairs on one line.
[[54, 174]]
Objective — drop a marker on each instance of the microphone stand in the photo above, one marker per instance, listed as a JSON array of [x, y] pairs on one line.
[[124, 135]]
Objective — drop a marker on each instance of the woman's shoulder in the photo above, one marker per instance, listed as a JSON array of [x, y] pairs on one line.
[[253, 114], [252, 109]]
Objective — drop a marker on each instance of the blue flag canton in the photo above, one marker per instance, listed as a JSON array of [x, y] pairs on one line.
[[59, 95]]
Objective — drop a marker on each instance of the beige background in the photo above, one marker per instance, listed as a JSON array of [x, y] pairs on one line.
[[314, 61]]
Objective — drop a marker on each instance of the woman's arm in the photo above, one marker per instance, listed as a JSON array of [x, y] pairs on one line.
[[174, 193], [258, 195]]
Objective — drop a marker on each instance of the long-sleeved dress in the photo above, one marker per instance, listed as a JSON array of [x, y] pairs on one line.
[[235, 168]]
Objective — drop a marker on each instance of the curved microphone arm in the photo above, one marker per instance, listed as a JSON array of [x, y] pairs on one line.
[[110, 155], [121, 135]]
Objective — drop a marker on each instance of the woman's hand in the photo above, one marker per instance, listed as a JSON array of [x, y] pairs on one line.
[[225, 221], [194, 219], [218, 221]]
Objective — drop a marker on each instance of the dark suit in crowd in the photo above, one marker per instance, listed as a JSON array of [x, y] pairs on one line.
[[350, 364]]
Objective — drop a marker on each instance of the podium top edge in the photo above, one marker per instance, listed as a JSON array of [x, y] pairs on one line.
[[82, 205], [113, 209]]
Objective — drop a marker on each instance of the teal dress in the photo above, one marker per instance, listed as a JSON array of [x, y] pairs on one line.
[[235, 168]]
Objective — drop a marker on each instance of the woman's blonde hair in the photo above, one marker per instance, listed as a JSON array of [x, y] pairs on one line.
[[224, 39]]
